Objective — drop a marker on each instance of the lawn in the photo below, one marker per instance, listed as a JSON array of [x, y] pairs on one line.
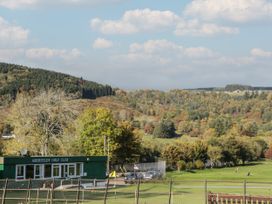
[[261, 171], [189, 187]]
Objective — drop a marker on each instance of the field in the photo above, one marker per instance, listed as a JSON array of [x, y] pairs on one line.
[[188, 187]]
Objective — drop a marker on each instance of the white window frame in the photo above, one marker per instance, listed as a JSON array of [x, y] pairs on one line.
[[81, 169], [42, 170], [40, 176], [16, 173], [73, 165], [52, 170]]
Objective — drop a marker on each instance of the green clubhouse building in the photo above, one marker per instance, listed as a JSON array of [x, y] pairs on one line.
[[53, 167]]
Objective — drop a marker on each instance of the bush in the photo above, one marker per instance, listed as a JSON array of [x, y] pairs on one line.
[[189, 166], [181, 165], [199, 164]]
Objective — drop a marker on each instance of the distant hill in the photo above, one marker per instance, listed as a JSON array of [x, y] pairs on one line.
[[235, 87], [17, 78]]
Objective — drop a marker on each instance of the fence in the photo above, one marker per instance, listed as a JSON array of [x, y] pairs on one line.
[[159, 166], [217, 198], [141, 192]]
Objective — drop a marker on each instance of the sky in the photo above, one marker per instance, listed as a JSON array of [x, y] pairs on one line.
[[142, 44]]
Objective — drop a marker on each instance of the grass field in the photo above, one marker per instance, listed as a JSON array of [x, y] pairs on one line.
[[188, 187], [261, 171]]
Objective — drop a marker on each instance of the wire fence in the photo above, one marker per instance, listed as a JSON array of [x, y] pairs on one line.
[[114, 191]]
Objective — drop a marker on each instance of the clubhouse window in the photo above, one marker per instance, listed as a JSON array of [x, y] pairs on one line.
[[56, 170], [47, 171], [41, 171], [29, 171], [20, 172]]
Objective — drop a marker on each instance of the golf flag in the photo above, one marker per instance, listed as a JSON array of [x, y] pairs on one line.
[[112, 174]]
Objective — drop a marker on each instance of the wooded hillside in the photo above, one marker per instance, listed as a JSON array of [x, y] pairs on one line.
[[188, 128], [15, 79]]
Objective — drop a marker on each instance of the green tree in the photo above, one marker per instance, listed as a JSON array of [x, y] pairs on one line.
[[230, 149], [165, 129], [249, 129], [97, 132], [200, 150], [100, 134], [129, 145], [221, 125]]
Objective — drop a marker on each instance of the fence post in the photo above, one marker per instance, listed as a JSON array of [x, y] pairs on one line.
[[206, 191], [138, 191], [52, 191], [38, 195], [106, 191], [170, 191], [244, 197], [28, 191], [4, 192], [78, 191]]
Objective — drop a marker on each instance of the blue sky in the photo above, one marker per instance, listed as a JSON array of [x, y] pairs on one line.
[[142, 44]]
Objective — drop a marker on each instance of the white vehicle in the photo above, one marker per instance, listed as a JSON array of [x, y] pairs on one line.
[[151, 175]]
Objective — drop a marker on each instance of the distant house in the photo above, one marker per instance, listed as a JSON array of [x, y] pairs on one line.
[[8, 136]]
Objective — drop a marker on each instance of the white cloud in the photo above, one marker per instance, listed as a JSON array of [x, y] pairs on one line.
[[146, 20], [256, 52], [135, 21], [155, 47], [195, 28], [48, 53], [18, 4], [101, 43], [165, 64], [12, 35], [235, 10], [162, 52]]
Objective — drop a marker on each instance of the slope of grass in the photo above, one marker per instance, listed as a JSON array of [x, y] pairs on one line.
[[260, 171]]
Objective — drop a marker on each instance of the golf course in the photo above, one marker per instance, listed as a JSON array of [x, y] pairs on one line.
[[187, 187]]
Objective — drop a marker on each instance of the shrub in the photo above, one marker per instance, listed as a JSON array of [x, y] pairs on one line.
[[181, 165], [189, 166], [199, 164]]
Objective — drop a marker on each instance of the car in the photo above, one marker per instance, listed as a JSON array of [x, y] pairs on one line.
[[130, 177], [151, 175]]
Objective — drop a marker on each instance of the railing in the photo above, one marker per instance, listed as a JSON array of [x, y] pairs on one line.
[[219, 198]]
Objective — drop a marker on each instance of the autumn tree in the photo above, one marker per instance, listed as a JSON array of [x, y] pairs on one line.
[[215, 155], [39, 122], [249, 129], [221, 125]]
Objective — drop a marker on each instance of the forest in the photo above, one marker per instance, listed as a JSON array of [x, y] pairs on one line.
[[190, 129], [15, 79]]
